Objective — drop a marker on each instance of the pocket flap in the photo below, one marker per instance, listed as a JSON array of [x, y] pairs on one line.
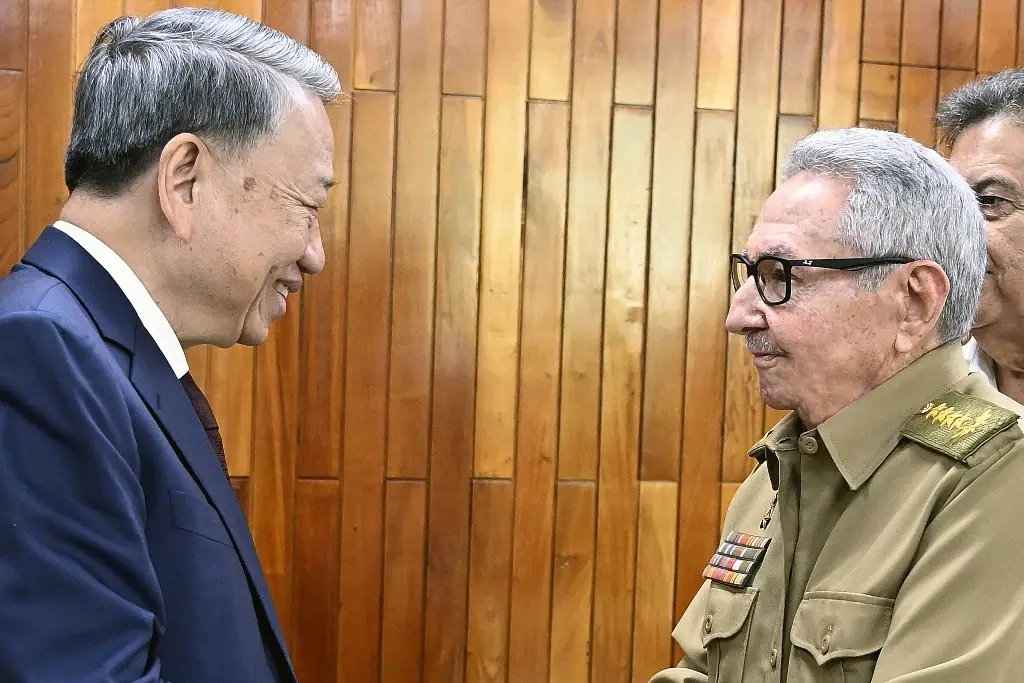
[[726, 611], [833, 625], [198, 517]]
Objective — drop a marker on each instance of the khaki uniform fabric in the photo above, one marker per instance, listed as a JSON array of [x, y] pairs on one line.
[[896, 550]]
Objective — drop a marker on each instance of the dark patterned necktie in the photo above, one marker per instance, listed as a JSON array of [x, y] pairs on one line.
[[206, 417]]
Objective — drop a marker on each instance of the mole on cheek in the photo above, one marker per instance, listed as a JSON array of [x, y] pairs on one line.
[[248, 183]]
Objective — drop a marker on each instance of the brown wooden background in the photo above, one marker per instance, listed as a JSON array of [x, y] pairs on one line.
[[495, 442]]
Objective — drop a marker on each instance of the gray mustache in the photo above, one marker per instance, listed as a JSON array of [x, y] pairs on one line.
[[761, 342]]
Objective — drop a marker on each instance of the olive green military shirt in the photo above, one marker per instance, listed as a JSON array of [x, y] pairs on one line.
[[891, 544]]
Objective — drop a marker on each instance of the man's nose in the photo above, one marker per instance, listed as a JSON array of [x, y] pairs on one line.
[[744, 312], [312, 261]]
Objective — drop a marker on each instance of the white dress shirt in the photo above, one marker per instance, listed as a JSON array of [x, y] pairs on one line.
[[141, 300], [979, 361]]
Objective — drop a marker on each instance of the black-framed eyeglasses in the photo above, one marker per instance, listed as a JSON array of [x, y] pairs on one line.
[[773, 274]]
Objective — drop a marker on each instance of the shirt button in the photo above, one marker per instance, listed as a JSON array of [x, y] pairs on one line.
[[826, 640], [773, 658], [707, 624], [808, 444]]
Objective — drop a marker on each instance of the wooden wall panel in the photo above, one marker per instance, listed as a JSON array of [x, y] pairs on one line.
[[496, 439]]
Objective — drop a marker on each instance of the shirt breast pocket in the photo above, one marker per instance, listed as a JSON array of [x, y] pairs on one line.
[[725, 631], [837, 636]]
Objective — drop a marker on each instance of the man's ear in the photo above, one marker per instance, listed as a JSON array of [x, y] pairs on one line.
[[177, 173], [924, 296]]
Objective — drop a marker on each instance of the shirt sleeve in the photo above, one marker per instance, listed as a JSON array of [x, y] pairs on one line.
[[959, 615], [80, 598]]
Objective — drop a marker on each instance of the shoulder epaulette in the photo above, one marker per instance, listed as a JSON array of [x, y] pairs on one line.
[[957, 425]]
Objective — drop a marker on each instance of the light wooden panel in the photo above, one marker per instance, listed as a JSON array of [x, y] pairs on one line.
[[496, 439]]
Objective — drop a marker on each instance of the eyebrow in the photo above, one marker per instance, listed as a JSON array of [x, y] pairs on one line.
[[995, 183], [779, 251]]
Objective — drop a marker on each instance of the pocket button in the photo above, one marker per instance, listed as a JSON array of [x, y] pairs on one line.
[[773, 658], [708, 624]]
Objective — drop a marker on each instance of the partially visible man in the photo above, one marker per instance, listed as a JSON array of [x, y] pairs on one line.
[[200, 154], [874, 538], [983, 121]]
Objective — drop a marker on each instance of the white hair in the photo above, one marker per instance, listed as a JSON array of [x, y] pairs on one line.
[[905, 200], [181, 70]]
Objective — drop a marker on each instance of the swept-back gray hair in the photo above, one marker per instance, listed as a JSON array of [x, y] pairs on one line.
[[1000, 95], [905, 200], [183, 70]]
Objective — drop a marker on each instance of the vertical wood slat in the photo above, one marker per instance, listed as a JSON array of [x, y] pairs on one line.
[[636, 43], [325, 297], [47, 76], [537, 441], [959, 32], [90, 17], [755, 174], [419, 114], [315, 580], [997, 35], [366, 387], [629, 199], [572, 582], [14, 33], [490, 552], [240, 485], [719, 54], [801, 52], [12, 170], [231, 372], [918, 88], [840, 64], [882, 22], [291, 17], [879, 88], [551, 49], [142, 8], [920, 32], [655, 566], [465, 45], [590, 140], [404, 553], [668, 270], [501, 242], [451, 460], [254, 10], [705, 350], [375, 44]]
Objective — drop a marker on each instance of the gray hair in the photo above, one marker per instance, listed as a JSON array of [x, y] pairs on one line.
[[1000, 95], [215, 74], [905, 200]]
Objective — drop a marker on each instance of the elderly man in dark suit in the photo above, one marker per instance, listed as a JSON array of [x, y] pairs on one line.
[[200, 154]]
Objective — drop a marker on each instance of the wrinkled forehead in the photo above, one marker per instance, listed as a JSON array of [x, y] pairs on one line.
[[991, 153], [799, 219]]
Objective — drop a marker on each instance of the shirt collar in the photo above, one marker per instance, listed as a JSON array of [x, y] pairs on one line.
[[149, 313], [861, 435]]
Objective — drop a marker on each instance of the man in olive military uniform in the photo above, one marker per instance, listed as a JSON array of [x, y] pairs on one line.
[[879, 537]]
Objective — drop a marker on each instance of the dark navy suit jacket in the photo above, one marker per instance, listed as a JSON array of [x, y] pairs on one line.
[[124, 554]]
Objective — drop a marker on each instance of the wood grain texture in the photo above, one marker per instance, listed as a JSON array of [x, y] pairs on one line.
[[572, 582], [669, 261], [883, 20], [801, 53], [997, 35], [840, 68], [142, 8], [291, 17], [537, 429], [590, 137], [315, 580], [879, 88], [918, 87], [920, 39], [272, 16], [12, 158], [404, 552], [412, 323], [465, 47], [501, 241], [629, 197], [451, 459], [635, 44], [14, 35], [959, 33], [551, 49], [366, 377], [90, 17], [653, 619], [230, 392], [375, 44], [490, 551], [719, 54], [791, 130]]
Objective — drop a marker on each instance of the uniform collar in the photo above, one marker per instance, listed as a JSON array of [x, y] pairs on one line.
[[861, 435]]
